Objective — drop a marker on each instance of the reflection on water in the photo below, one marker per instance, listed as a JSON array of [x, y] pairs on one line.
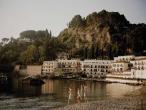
[[29, 91], [25, 89], [74, 90], [84, 90], [61, 92]]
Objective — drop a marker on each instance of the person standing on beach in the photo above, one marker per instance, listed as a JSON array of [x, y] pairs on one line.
[[69, 95], [78, 96], [84, 93]]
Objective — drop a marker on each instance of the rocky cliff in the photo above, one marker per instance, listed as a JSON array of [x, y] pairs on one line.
[[103, 34]]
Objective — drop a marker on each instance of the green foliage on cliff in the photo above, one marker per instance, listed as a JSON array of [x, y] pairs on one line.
[[103, 35]]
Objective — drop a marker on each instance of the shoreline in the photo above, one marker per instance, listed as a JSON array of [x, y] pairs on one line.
[[134, 82]]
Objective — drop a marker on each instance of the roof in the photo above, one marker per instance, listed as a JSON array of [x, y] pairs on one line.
[[120, 62], [141, 59]]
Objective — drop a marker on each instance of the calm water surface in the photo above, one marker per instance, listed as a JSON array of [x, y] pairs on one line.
[[56, 93]]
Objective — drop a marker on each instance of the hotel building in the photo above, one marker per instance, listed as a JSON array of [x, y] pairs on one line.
[[126, 58], [129, 67], [138, 69], [96, 68], [49, 67], [69, 66], [119, 67]]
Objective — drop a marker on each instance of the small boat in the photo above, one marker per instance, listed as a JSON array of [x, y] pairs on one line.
[[33, 81], [36, 82]]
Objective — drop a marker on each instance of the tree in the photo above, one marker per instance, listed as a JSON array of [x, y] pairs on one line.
[[96, 51], [93, 51], [41, 54], [4, 41], [85, 53], [30, 56]]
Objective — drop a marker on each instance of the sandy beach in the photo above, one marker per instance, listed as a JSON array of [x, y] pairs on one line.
[[132, 101]]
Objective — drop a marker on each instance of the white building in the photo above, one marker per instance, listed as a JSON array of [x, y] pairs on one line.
[[127, 58], [63, 55], [96, 68], [119, 67], [140, 57], [69, 66], [139, 68], [129, 67], [49, 67]]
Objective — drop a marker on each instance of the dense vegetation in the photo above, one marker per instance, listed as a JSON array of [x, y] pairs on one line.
[[99, 35], [32, 47]]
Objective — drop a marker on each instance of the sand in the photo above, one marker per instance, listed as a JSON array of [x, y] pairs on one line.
[[132, 101]]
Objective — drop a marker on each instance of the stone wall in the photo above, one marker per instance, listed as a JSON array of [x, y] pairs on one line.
[[34, 70]]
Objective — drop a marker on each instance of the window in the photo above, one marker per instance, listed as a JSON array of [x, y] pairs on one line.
[[142, 63], [142, 68], [121, 69], [95, 70]]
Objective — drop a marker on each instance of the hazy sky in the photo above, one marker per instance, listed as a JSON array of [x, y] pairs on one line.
[[20, 15]]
